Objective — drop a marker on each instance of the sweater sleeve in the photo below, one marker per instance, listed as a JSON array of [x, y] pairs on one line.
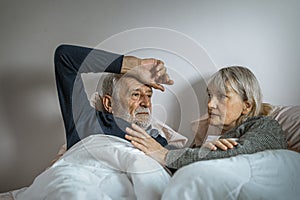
[[70, 61], [257, 135]]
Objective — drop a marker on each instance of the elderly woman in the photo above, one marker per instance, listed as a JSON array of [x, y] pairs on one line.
[[234, 105]]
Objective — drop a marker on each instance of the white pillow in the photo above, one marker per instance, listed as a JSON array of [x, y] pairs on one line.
[[289, 118]]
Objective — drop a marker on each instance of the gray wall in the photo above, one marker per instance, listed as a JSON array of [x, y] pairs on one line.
[[260, 34]]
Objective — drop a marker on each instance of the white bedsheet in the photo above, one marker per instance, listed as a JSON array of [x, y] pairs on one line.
[[100, 167], [272, 174]]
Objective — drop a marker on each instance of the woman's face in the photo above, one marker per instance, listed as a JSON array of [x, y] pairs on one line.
[[224, 109]]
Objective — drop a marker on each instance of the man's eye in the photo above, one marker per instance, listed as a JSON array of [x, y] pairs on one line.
[[136, 94]]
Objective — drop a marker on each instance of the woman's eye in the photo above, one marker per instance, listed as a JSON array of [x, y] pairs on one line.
[[222, 96]]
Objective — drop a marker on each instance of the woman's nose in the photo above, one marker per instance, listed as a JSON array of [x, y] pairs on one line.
[[212, 102]]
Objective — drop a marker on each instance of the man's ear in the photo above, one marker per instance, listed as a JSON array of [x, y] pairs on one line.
[[247, 107], [106, 101]]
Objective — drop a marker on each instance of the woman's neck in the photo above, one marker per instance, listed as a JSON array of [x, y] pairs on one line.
[[227, 127]]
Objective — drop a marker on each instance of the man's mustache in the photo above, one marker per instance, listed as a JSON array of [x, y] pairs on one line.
[[142, 110]]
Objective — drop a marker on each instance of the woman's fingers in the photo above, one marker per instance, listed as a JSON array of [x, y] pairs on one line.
[[220, 144], [223, 144], [210, 146], [139, 130], [133, 138], [139, 146], [138, 136], [232, 141], [136, 131], [226, 143], [140, 143]]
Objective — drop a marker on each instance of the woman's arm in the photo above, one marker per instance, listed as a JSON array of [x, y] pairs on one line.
[[256, 135]]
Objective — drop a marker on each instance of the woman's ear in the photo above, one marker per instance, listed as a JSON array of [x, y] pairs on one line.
[[247, 107], [106, 101]]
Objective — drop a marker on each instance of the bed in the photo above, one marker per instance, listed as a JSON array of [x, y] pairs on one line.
[[106, 167]]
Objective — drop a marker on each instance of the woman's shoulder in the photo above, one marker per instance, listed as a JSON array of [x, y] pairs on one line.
[[260, 118], [262, 122], [266, 129]]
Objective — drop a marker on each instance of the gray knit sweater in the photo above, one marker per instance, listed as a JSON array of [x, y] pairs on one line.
[[256, 134]]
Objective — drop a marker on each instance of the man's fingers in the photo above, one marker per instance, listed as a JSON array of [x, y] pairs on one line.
[[148, 61], [152, 72], [160, 62], [161, 75], [157, 86], [166, 80], [160, 69]]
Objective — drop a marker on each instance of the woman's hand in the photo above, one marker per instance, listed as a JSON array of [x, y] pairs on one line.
[[148, 71], [223, 144], [144, 142]]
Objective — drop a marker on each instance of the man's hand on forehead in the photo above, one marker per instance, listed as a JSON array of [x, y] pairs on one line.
[[149, 71]]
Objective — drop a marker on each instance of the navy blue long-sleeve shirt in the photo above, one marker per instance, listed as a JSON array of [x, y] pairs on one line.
[[80, 119]]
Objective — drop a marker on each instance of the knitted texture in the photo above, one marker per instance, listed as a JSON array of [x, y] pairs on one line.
[[256, 134]]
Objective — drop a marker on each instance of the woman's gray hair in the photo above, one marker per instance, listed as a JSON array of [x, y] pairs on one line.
[[244, 83]]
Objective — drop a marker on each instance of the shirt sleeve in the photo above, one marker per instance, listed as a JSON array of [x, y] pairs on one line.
[[262, 135], [70, 62]]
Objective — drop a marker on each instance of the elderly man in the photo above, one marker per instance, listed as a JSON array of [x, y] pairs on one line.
[[134, 98], [99, 165]]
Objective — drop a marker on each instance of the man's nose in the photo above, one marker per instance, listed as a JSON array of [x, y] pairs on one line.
[[145, 101]]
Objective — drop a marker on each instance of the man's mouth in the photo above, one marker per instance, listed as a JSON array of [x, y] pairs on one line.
[[142, 113]]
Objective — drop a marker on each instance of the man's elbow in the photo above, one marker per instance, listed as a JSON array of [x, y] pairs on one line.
[[59, 52]]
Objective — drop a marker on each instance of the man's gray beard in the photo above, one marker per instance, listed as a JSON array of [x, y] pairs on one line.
[[144, 123]]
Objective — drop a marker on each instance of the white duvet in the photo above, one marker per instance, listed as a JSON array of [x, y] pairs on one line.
[[272, 174], [107, 167], [100, 167]]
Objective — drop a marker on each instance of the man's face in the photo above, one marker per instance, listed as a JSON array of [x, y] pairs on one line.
[[132, 101]]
